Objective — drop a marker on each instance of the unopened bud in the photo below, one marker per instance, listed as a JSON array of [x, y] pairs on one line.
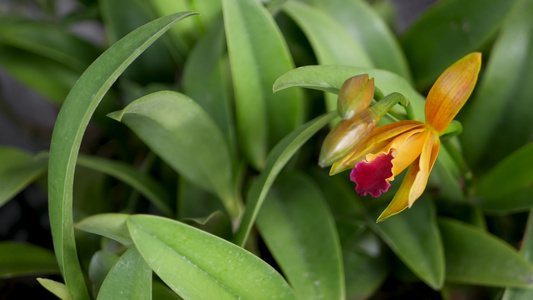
[[355, 95]]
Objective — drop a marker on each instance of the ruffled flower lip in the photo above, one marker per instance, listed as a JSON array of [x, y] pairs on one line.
[[372, 177]]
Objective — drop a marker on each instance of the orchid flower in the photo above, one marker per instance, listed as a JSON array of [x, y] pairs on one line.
[[390, 149]]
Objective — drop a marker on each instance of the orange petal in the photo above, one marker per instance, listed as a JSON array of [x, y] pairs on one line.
[[415, 180], [379, 138], [451, 90]]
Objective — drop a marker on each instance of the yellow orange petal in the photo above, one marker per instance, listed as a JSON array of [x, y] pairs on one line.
[[451, 90], [416, 178], [375, 142]]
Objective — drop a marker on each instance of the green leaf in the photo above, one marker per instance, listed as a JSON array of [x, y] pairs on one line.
[[331, 43], [130, 278], [330, 79], [258, 56], [179, 131], [511, 175], [49, 78], [360, 20], [112, 226], [25, 259], [57, 288], [307, 251], [50, 41], [100, 265], [277, 159], [141, 182], [209, 267], [449, 30], [475, 257], [414, 237], [527, 252], [68, 132], [503, 98], [365, 267], [17, 170], [205, 78], [162, 292]]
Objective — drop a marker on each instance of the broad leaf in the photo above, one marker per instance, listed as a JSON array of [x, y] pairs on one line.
[[414, 237], [130, 278], [258, 56], [25, 259], [308, 252], [112, 226], [331, 43], [449, 30], [68, 132], [330, 79], [277, 159], [179, 131], [209, 267], [17, 170], [475, 257], [99, 267], [360, 20]]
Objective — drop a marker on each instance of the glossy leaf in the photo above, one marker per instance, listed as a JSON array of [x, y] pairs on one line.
[[112, 226], [330, 78], [17, 170], [309, 253], [57, 288], [141, 182], [449, 30], [495, 185], [331, 43], [68, 132], [475, 257], [25, 259], [130, 278], [364, 24], [179, 131], [258, 56], [209, 267], [100, 265], [204, 79], [414, 237], [503, 99], [277, 159], [526, 250]]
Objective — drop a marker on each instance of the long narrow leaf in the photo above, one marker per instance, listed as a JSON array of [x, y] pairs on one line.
[[278, 157], [25, 259], [68, 132], [258, 56], [308, 252]]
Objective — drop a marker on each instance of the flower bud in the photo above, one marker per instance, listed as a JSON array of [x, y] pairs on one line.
[[355, 95], [345, 135]]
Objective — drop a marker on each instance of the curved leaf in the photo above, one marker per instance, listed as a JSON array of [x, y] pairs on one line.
[[17, 170], [331, 43], [258, 55], [360, 20], [308, 252], [330, 79], [57, 288], [68, 132], [277, 158], [179, 131], [100, 265], [209, 267], [141, 182], [449, 30], [130, 278], [25, 259], [476, 257], [495, 185], [414, 237], [112, 226]]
